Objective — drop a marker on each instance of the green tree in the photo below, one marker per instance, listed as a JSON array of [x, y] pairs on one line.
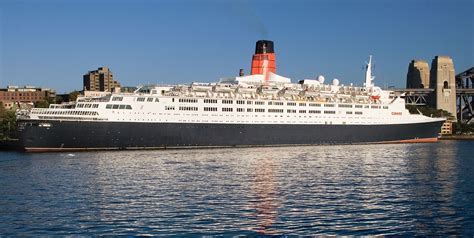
[[42, 104], [73, 95], [7, 124]]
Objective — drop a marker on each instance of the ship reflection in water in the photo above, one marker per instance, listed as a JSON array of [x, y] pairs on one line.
[[264, 189], [397, 189]]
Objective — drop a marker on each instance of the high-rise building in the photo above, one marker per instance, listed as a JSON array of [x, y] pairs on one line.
[[418, 75], [442, 79], [101, 79]]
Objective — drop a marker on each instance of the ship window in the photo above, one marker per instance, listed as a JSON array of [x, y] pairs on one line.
[[227, 101], [249, 102], [375, 107], [115, 106], [259, 110], [88, 105], [314, 105], [358, 106], [169, 108], [95, 105], [348, 112], [210, 100], [149, 99], [210, 109], [140, 99], [291, 103], [80, 105], [275, 110], [240, 109], [157, 100], [226, 109], [122, 107], [291, 111], [345, 105], [259, 103], [358, 113], [240, 102], [249, 110], [117, 98], [108, 106], [329, 112], [329, 105], [302, 104], [385, 107], [302, 111], [314, 111], [129, 107]]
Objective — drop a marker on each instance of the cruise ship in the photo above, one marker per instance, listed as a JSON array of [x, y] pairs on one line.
[[259, 109]]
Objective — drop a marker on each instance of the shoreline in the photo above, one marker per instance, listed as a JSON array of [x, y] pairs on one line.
[[457, 137]]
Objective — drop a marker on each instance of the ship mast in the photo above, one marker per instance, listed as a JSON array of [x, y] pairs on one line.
[[368, 74]]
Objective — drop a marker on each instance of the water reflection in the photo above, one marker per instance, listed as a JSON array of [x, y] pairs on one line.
[[265, 191], [421, 189]]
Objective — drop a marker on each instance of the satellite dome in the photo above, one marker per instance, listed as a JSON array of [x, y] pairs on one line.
[[321, 79], [335, 82]]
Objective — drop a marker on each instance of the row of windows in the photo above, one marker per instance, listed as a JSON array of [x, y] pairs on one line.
[[275, 110], [210, 100], [117, 98], [227, 109], [87, 105], [117, 106], [227, 102], [210, 109], [275, 103], [188, 100], [70, 112], [188, 108]]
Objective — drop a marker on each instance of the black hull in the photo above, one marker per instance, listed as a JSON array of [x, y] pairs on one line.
[[73, 135]]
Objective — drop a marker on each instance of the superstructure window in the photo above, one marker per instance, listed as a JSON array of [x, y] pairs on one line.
[[249, 110], [328, 105], [210, 100], [358, 113], [302, 111], [259, 103], [169, 108], [345, 105], [358, 106], [375, 107], [259, 110], [115, 106], [122, 107], [291, 111], [315, 111], [188, 100], [188, 108], [149, 99], [314, 105], [385, 107], [349, 112], [227, 109], [210, 109], [227, 101], [117, 98], [302, 104], [249, 102], [275, 110], [240, 102], [240, 110], [291, 103], [329, 112], [140, 99]]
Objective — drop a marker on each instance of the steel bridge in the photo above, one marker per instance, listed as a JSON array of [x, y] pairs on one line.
[[464, 95]]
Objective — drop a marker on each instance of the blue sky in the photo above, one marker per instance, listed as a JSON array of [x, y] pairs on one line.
[[52, 43]]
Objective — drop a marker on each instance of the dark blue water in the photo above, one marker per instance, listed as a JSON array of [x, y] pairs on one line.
[[398, 189]]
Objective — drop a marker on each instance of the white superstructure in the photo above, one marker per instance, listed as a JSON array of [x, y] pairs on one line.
[[253, 99]]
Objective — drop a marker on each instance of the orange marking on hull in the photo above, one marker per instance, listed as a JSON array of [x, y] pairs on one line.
[[419, 140]]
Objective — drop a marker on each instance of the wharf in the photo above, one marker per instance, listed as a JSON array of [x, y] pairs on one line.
[[457, 137]]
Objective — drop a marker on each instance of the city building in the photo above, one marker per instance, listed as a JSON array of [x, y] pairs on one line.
[[101, 79], [447, 128], [418, 75], [13, 95]]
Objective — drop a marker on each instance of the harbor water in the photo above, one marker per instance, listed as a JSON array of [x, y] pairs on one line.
[[393, 189]]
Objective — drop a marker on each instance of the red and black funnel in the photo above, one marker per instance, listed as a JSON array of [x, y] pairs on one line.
[[263, 61]]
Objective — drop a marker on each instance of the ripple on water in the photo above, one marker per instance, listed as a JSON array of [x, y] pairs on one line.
[[422, 189]]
